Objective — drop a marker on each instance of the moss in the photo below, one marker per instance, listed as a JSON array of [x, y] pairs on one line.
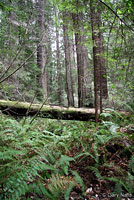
[[54, 112]]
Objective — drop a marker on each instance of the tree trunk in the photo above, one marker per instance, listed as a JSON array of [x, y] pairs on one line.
[[58, 62], [68, 63], [87, 82], [96, 60], [103, 72], [41, 51], [100, 79], [80, 58], [50, 69], [20, 109]]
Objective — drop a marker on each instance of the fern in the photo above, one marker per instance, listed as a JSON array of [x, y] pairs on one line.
[[64, 163], [131, 164], [59, 185], [28, 156], [79, 180], [130, 107], [114, 115], [34, 158]]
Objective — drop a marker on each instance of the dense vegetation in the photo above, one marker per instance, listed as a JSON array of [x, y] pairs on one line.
[[40, 42], [51, 159], [74, 54]]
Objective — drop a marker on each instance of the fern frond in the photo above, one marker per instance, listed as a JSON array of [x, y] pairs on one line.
[[58, 185], [78, 180]]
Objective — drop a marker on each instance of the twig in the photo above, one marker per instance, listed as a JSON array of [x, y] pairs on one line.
[[28, 110], [11, 64], [19, 66], [38, 111], [117, 15]]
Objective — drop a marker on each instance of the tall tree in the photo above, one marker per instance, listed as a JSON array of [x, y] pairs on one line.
[[84, 87], [41, 51], [103, 73], [58, 58], [68, 61], [100, 83], [80, 59], [87, 78]]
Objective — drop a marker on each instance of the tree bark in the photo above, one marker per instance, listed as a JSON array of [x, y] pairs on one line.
[[20, 109], [87, 82], [100, 79], [80, 58], [68, 63], [103, 72], [41, 51], [58, 61], [96, 63]]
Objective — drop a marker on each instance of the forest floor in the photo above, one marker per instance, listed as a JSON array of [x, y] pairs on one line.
[[97, 189], [67, 160]]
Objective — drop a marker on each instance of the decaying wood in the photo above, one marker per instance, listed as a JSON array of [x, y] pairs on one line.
[[47, 111]]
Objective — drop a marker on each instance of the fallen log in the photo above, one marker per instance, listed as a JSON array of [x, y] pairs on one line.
[[17, 108]]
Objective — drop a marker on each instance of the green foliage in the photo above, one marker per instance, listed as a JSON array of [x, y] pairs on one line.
[[5, 7], [20, 160], [36, 159], [112, 114], [79, 180], [29, 157], [59, 185], [18, 36]]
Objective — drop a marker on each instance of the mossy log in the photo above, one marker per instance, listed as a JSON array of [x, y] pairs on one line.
[[17, 108]]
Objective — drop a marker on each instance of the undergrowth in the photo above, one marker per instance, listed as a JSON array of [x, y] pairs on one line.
[[40, 160]]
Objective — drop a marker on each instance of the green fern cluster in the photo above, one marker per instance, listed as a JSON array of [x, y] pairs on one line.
[[29, 157], [35, 158], [21, 159]]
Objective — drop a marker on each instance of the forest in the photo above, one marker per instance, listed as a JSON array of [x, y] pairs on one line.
[[66, 99]]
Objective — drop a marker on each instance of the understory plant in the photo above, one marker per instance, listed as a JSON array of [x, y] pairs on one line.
[[37, 160], [33, 161]]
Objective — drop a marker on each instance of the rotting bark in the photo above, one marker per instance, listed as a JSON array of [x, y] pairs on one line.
[[20, 109]]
